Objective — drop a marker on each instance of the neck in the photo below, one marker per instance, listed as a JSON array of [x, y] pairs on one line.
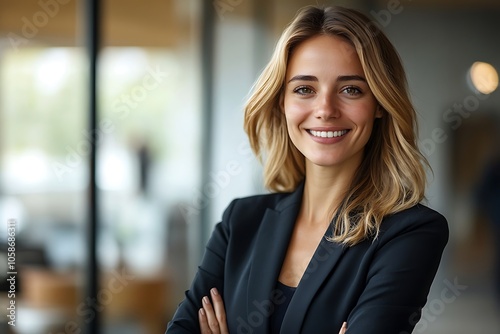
[[324, 190]]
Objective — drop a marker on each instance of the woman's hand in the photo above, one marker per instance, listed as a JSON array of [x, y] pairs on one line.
[[213, 318]]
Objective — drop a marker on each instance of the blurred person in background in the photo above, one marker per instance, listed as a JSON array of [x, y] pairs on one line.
[[343, 245]]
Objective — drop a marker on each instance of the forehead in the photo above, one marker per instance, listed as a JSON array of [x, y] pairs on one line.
[[324, 54]]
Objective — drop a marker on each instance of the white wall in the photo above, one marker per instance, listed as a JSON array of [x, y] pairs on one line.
[[235, 171]]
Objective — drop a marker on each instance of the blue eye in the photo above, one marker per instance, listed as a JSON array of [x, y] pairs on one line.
[[303, 90]]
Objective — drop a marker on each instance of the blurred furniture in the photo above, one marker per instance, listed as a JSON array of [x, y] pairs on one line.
[[122, 297]]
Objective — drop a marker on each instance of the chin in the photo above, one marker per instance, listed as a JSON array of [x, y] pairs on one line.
[[324, 161]]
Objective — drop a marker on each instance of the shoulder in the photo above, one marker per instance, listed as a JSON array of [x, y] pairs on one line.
[[256, 205], [417, 215], [418, 219], [247, 214]]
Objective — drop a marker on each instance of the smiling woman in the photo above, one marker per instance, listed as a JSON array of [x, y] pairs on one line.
[[344, 237], [329, 107]]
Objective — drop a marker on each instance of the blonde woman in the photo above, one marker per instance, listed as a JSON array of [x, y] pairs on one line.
[[343, 243]]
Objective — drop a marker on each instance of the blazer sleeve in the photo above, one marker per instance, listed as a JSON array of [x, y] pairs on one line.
[[400, 275], [210, 274]]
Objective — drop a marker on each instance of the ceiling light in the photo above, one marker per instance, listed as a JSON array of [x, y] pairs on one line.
[[484, 77]]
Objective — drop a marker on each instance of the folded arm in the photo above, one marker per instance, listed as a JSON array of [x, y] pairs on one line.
[[399, 279], [210, 275]]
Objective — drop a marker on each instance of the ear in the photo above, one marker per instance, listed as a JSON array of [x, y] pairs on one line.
[[379, 112]]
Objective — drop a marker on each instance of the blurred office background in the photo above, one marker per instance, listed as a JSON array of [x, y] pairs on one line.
[[173, 77]]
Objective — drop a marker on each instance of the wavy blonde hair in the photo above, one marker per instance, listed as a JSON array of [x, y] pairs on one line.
[[391, 176]]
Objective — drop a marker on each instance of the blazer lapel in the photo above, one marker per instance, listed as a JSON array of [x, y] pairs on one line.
[[270, 249], [322, 264]]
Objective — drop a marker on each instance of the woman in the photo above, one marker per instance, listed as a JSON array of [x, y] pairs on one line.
[[343, 244]]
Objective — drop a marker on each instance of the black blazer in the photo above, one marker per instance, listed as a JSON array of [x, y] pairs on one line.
[[378, 286]]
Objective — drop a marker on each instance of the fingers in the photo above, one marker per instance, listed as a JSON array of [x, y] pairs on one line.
[[344, 328], [220, 311], [213, 324], [202, 318], [213, 318]]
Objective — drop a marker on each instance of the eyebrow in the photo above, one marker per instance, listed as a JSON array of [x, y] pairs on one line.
[[339, 78], [303, 78], [351, 78]]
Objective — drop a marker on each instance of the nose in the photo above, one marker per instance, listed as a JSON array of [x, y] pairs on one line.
[[327, 107]]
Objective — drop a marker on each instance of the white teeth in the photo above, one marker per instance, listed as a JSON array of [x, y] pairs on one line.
[[328, 134]]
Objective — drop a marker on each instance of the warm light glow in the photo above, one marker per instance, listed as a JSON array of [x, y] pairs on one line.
[[484, 77]]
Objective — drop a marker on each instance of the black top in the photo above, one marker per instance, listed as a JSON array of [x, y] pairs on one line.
[[284, 294]]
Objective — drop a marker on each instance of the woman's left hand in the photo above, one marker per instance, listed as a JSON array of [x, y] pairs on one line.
[[212, 318]]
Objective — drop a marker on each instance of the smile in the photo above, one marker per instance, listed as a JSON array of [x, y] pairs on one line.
[[327, 134]]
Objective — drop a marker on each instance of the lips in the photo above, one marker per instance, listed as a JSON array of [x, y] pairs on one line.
[[327, 134]]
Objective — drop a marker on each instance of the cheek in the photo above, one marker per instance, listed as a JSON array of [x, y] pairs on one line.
[[291, 124], [365, 115], [294, 118], [294, 113]]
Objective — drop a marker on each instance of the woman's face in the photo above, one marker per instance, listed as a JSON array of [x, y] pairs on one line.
[[329, 108]]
